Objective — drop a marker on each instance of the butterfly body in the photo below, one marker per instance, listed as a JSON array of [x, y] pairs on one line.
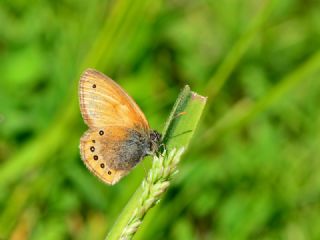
[[119, 135]]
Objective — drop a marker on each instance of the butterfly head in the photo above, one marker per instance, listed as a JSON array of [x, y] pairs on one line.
[[155, 141]]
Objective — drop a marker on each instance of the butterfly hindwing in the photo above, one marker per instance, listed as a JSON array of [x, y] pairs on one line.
[[93, 154], [110, 153]]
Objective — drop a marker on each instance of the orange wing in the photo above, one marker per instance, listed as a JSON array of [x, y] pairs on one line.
[[92, 153], [104, 103]]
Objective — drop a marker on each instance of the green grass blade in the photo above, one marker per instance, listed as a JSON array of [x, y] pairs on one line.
[[217, 81], [177, 134]]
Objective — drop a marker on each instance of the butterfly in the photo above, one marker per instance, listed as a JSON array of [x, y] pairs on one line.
[[119, 136]]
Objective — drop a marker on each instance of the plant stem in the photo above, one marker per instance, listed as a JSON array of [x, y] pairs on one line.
[[177, 134]]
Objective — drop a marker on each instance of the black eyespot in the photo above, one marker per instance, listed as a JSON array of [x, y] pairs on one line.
[[94, 86], [109, 172], [101, 132], [92, 149], [95, 157], [102, 165], [94, 141]]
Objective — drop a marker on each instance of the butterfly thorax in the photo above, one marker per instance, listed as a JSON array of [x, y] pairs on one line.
[[154, 143]]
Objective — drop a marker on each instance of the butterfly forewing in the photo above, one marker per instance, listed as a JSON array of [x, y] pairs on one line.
[[104, 103]]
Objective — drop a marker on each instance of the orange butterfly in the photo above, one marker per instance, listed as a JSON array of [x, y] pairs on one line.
[[119, 135]]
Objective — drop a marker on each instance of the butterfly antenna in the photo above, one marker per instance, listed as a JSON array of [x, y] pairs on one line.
[[145, 170], [180, 114]]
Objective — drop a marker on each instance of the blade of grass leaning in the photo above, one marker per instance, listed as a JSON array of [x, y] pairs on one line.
[[177, 134], [228, 64], [287, 83]]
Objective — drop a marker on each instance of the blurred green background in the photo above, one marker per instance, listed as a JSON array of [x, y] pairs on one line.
[[252, 170]]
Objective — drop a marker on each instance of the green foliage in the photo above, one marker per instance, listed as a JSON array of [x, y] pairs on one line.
[[251, 171]]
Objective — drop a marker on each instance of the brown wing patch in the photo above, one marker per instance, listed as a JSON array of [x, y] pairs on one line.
[[91, 149], [104, 103]]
